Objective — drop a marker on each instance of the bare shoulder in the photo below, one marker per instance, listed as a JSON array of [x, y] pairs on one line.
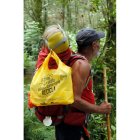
[[82, 67], [81, 64]]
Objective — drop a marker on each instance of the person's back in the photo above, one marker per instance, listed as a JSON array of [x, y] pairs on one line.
[[88, 46]]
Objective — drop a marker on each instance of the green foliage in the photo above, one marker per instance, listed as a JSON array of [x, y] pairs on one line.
[[33, 129], [32, 36], [32, 33], [27, 60], [29, 64], [98, 89], [71, 37], [97, 127]]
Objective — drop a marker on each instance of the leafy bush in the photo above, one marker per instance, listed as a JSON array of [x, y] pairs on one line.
[[27, 60], [32, 36], [32, 33], [71, 37], [33, 129], [97, 127]]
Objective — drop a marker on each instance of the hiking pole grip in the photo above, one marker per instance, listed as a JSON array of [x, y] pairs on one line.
[[106, 100]]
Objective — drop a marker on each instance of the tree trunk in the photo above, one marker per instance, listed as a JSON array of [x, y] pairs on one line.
[[46, 6], [63, 14], [69, 21], [76, 15], [110, 45]]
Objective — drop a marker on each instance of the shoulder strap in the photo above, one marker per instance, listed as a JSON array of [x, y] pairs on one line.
[[74, 57], [89, 78]]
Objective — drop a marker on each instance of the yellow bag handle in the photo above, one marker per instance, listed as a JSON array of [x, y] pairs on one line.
[[55, 57]]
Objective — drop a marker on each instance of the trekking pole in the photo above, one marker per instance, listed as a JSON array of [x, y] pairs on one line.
[[106, 100]]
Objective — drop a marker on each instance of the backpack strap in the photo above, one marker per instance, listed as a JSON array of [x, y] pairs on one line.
[[89, 77], [74, 57]]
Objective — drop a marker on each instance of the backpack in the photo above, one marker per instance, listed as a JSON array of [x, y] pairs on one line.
[[52, 86], [59, 112]]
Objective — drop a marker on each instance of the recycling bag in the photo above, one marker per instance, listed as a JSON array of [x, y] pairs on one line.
[[52, 86]]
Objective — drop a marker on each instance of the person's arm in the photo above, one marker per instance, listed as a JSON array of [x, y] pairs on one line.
[[80, 72]]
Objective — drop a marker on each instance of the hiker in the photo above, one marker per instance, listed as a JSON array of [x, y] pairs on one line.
[[88, 46], [72, 123]]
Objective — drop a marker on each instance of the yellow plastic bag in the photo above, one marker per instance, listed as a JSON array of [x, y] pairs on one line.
[[52, 86]]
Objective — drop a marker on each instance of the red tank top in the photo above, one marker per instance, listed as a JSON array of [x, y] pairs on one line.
[[87, 93]]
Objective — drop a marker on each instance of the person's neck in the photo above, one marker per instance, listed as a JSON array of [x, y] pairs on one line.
[[88, 56]]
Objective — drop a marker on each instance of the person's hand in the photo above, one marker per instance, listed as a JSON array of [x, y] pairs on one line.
[[105, 108]]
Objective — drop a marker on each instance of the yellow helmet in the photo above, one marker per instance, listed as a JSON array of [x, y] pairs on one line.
[[56, 39]]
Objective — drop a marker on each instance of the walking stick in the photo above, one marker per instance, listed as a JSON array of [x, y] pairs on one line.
[[106, 100]]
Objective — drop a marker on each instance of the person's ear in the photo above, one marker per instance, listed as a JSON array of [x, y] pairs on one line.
[[94, 45]]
